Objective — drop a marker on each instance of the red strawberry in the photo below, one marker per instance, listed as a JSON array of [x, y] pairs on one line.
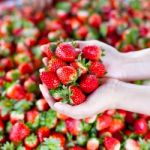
[[103, 122], [130, 117], [16, 91], [111, 143], [132, 144], [73, 126], [18, 132], [77, 96], [95, 20], [60, 137], [92, 52], [66, 52], [82, 32], [7, 63], [1, 126], [67, 74], [92, 144], [47, 51], [140, 126], [30, 85], [50, 79], [43, 132], [55, 63], [16, 116], [26, 68], [31, 116], [42, 105], [85, 83], [147, 136], [97, 68], [116, 125], [31, 141]]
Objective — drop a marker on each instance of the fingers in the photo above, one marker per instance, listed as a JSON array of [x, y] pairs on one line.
[[46, 95]]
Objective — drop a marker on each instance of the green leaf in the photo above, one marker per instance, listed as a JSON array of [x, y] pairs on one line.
[[61, 126], [103, 30], [135, 4], [22, 105], [8, 146], [65, 6]]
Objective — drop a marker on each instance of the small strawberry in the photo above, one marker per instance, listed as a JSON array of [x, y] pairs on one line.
[[47, 50], [97, 68], [50, 79], [73, 126], [43, 132], [95, 20], [67, 74], [111, 143], [140, 126], [16, 91], [82, 32], [61, 127], [30, 85], [31, 141], [103, 122], [77, 97], [130, 117], [55, 63], [32, 115], [42, 105], [85, 83], [26, 68], [12, 75], [19, 131], [92, 52], [66, 52], [131, 144], [92, 144]]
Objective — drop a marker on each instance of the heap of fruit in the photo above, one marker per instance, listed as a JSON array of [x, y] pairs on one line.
[[26, 121], [71, 72]]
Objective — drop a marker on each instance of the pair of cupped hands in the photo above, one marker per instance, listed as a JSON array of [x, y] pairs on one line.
[[115, 92]]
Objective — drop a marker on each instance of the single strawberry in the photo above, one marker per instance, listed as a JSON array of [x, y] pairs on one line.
[[47, 50], [61, 127], [82, 32], [116, 125], [19, 131], [12, 75], [42, 105], [55, 63], [97, 68], [103, 122], [92, 52], [30, 85], [31, 141], [66, 52], [43, 132], [16, 116], [77, 148], [26, 68], [60, 137], [92, 144], [140, 126], [132, 144], [85, 83], [82, 139], [73, 126], [95, 20], [32, 115], [16, 91], [50, 79], [7, 63], [111, 143], [67, 74], [130, 117], [77, 97], [147, 136]]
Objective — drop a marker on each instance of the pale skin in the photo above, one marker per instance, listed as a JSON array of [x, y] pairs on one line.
[[115, 92]]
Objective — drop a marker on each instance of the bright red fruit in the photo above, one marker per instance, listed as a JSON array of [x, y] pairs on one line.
[[77, 96], [25, 68], [66, 52], [55, 63], [111, 143], [95, 20], [140, 126], [92, 52], [89, 83], [43, 132], [97, 68], [32, 115], [16, 91], [47, 51], [67, 74], [103, 122], [82, 32], [73, 126], [50, 79], [19, 131]]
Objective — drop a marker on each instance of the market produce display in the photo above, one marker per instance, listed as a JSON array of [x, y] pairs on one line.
[[26, 121]]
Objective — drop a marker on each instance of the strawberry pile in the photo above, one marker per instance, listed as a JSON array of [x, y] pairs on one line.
[[72, 73], [26, 120]]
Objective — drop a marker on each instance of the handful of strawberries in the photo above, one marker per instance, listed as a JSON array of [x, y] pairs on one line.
[[72, 73]]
